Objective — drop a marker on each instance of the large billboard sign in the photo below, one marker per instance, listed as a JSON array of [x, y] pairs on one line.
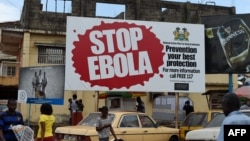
[[227, 43], [43, 84], [124, 55]]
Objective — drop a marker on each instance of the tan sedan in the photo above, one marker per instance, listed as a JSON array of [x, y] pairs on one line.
[[128, 126]]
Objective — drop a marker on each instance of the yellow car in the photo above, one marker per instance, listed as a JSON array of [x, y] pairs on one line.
[[129, 126], [196, 120]]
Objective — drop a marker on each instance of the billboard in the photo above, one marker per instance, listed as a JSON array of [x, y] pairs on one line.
[[127, 55], [227, 43], [42, 85]]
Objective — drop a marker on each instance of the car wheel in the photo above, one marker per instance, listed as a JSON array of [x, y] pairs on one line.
[[174, 138]]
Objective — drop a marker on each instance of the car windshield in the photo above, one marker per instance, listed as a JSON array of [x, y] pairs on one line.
[[195, 119], [218, 119], [246, 112], [91, 119]]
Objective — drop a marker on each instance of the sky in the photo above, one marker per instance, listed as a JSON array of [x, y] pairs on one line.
[[10, 10]]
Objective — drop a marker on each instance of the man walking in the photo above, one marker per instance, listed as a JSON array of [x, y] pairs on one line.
[[230, 107], [8, 118], [103, 125]]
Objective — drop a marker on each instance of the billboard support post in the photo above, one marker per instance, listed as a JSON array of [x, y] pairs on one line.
[[29, 115], [230, 83], [97, 100], [176, 110]]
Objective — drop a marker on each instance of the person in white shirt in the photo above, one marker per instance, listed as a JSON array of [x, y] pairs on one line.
[[103, 125], [76, 113]]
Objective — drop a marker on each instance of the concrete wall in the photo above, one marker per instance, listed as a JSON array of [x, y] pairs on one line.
[[148, 10]]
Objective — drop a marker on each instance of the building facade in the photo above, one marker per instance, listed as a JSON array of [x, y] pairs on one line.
[[39, 39]]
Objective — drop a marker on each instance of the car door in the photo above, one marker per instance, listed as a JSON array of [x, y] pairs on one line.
[[129, 128], [149, 131], [195, 120]]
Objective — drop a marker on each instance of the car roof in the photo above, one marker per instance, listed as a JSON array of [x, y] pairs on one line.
[[122, 112], [245, 110]]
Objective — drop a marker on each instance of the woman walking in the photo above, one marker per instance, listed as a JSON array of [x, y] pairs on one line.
[[46, 122]]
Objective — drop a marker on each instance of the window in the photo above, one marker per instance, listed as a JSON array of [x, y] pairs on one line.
[[129, 121], [8, 68], [51, 55], [216, 100], [109, 10], [146, 121], [61, 6], [91, 119], [115, 103], [11, 70]]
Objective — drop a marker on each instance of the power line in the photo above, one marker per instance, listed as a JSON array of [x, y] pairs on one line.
[[12, 4]]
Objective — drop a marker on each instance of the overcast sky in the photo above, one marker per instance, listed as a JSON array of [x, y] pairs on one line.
[[10, 10]]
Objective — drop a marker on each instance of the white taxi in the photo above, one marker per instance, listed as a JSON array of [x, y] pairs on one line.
[[211, 130]]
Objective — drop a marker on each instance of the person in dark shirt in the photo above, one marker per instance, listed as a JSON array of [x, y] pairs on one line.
[[140, 105], [80, 105], [188, 108], [8, 118], [70, 111]]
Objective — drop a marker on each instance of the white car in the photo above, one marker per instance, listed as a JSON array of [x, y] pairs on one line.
[[211, 130]]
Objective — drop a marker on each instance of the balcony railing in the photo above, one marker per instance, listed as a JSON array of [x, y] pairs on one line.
[[8, 68]]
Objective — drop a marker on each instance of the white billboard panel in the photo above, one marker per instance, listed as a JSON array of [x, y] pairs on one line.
[[126, 55]]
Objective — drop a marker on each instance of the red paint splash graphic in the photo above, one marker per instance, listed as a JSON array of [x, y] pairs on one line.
[[117, 55]]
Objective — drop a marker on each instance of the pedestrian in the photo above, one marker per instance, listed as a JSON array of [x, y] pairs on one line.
[[140, 105], [45, 123], [8, 118], [188, 108], [70, 111], [80, 105], [80, 110], [76, 114], [104, 125], [230, 107]]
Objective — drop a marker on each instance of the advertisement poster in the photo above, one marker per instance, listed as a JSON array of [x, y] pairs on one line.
[[42, 85], [126, 55], [227, 43]]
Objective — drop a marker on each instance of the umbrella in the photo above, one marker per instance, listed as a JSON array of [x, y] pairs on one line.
[[243, 92]]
